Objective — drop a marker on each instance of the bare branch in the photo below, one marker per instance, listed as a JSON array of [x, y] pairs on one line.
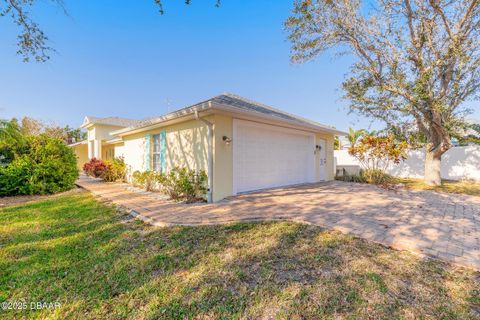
[[417, 61], [468, 14], [440, 11]]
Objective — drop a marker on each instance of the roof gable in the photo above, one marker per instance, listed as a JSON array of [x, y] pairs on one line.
[[110, 121]]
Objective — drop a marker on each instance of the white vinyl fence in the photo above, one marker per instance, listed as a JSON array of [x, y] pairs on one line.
[[457, 163]]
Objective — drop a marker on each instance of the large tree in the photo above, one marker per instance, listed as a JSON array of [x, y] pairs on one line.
[[417, 61]]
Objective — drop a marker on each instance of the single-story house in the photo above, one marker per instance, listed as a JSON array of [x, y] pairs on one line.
[[241, 144]]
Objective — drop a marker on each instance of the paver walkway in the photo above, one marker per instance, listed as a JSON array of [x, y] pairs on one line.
[[445, 226]]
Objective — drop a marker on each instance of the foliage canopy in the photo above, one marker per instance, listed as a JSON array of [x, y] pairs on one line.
[[417, 61]]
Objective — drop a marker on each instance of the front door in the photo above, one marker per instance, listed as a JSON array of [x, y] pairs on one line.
[[322, 158]]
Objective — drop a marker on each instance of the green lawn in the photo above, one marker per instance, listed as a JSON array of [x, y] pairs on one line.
[[99, 264]]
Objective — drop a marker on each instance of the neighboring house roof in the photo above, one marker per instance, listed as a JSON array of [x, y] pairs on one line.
[[110, 121], [232, 103], [78, 143]]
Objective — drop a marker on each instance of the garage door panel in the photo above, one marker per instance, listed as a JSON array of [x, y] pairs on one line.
[[266, 156]]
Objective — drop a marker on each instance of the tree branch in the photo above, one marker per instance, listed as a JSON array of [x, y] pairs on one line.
[[440, 11]]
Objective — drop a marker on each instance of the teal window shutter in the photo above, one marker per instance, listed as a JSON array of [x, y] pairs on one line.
[[163, 150], [147, 152]]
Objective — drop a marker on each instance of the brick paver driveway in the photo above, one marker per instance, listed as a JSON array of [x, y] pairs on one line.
[[444, 226]]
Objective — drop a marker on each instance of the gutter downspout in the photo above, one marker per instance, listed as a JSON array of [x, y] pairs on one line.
[[209, 155]]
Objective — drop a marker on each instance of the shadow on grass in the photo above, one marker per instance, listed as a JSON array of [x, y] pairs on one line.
[[99, 264]]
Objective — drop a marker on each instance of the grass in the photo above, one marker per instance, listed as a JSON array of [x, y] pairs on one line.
[[98, 263], [450, 186]]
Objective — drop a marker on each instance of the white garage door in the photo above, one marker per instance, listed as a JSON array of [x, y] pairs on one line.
[[267, 156]]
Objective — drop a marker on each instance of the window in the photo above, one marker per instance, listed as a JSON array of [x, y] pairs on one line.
[[156, 165]]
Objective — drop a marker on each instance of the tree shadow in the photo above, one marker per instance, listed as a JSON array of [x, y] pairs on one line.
[[99, 264], [307, 272]]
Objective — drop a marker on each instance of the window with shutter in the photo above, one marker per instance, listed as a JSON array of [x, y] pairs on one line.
[[156, 165], [147, 152]]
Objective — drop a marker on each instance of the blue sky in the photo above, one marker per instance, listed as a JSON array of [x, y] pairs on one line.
[[122, 58]]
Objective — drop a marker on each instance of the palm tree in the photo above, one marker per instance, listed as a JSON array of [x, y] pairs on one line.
[[353, 135]]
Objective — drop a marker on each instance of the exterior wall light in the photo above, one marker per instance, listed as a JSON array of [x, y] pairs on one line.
[[226, 139]]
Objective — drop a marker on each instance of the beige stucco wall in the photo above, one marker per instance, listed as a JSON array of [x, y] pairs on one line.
[[119, 147], [81, 151], [223, 158], [187, 146], [101, 132], [133, 152], [97, 135], [107, 151]]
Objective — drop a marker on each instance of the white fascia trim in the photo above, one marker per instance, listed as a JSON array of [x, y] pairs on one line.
[[78, 143], [294, 124], [161, 120], [114, 141]]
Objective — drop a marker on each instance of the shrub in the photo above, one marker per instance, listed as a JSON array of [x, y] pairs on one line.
[[145, 179], [178, 183], [351, 178], [95, 167], [377, 153], [115, 170], [14, 178], [47, 165], [378, 177], [182, 183]]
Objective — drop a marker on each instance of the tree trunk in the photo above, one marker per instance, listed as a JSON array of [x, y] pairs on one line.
[[433, 161], [438, 143]]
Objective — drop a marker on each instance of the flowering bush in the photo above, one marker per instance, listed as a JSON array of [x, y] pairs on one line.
[[115, 170], [377, 153], [95, 167]]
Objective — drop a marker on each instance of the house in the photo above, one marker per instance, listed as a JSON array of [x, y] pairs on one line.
[[241, 144]]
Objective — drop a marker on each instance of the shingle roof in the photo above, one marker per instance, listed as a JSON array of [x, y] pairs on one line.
[[234, 102], [111, 121], [249, 105]]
